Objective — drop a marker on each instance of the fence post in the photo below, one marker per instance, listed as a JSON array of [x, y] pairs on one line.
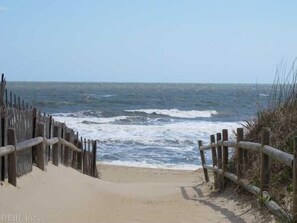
[[294, 207], [3, 124], [203, 161], [19, 103], [220, 165], [40, 149], [70, 151], [265, 162], [88, 164], [3, 142], [62, 147], [12, 174], [49, 136], [10, 99], [239, 153], [90, 158], [214, 160], [56, 146], [94, 153], [225, 154], [34, 134], [66, 149], [6, 97], [85, 156], [80, 156], [77, 165], [74, 153], [14, 101]]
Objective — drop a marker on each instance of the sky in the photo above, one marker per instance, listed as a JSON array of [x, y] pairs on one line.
[[223, 41]]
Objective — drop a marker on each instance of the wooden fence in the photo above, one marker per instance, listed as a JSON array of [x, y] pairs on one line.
[[219, 147], [28, 137]]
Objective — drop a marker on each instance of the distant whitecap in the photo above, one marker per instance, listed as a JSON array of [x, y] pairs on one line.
[[178, 113]]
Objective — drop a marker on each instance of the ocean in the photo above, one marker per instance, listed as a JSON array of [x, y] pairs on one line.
[[147, 125]]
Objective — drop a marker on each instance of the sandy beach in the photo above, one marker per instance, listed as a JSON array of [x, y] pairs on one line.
[[122, 194]]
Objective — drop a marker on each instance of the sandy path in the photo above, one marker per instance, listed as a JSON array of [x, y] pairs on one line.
[[122, 194]]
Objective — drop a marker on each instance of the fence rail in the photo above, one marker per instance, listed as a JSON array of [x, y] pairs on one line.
[[29, 137], [40, 141], [220, 153]]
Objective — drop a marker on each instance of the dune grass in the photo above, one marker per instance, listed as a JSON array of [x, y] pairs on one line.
[[280, 116]]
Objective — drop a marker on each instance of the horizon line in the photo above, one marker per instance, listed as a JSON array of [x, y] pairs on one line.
[[135, 82]]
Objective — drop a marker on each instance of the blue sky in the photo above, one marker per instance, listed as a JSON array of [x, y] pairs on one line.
[[146, 41]]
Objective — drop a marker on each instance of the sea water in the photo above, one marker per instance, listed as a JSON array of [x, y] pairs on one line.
[[147, 125]]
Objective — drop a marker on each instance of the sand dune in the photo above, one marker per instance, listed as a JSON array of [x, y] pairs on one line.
[[122, 194]]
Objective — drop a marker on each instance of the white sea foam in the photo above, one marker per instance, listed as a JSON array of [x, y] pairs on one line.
[[264, 95], [103, 130], [178, 113], [80, 118], [107, 95], [158, 145]]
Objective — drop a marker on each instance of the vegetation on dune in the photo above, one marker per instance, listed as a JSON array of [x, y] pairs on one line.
[[281, 117], [281, 114]]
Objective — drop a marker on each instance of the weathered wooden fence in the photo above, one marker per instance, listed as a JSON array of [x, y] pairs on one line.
[[29, 138], [220, 151]]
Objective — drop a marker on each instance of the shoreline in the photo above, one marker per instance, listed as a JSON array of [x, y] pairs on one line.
[[151, 166]]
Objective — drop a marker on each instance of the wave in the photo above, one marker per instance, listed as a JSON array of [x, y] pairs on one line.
[[107, 95], [166, 145], [175, 133], [88, 120], [177, 113], [95, 96], [136, 116], [80, 114], [53, 104], [98, 117]]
